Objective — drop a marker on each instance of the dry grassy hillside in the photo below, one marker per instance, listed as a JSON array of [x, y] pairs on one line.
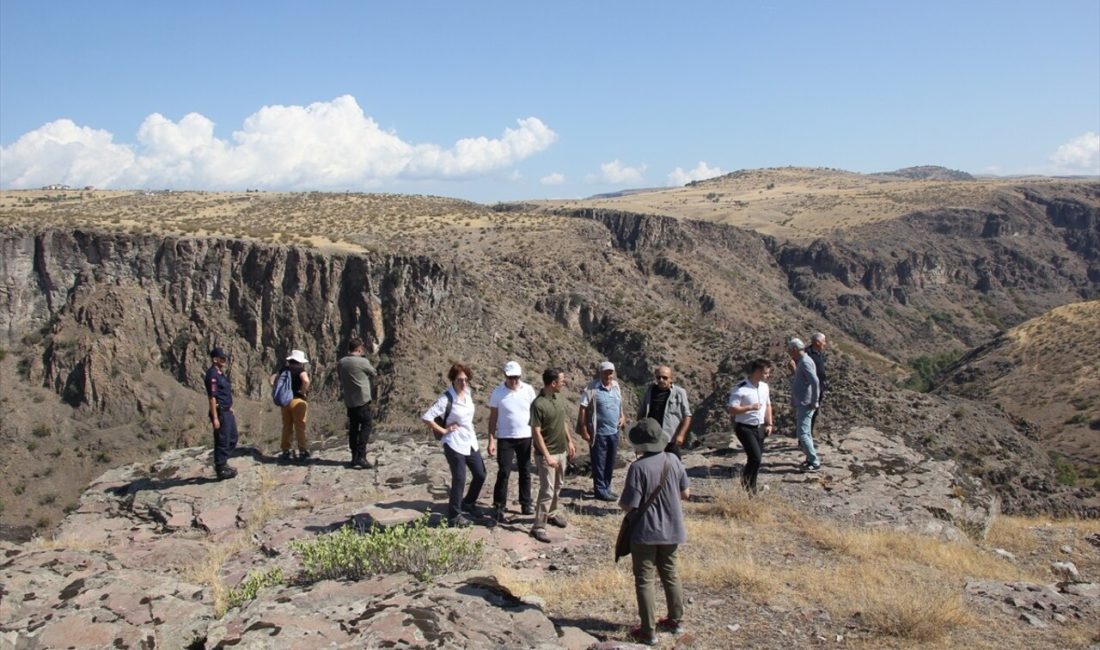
[[1046, 371], [804, 203]]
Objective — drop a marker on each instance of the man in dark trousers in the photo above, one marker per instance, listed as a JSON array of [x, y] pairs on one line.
[[816, 351], [220, 396], [355, 373]]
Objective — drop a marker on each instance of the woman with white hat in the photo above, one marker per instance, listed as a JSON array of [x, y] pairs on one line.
[[295, 413]]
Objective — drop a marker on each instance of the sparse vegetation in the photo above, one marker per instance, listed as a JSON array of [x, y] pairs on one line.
[[1063, 469], [414, 548], [252, 584], [927, 368]]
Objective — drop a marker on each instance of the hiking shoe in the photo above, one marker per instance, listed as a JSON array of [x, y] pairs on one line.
[[526, 509], [224, 471], [638, 636], [303, 455], [816, 467], [460, 522], [286, 457], [557, 520], [604, 496], [670, 625], [541, 535]]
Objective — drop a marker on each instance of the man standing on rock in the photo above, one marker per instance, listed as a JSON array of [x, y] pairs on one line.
[[667, 403], [220, 396], [509, 423], [554, 447], [750, 405], [816, 351], [355, 373], [805, 392], [601, 418]]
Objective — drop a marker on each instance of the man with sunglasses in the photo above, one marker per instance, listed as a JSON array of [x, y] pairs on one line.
[[667, 403]]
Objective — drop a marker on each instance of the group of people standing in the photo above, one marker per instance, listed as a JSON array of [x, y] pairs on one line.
[[524, 422]]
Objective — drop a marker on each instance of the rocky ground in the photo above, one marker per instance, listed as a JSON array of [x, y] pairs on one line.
[[146, 558]]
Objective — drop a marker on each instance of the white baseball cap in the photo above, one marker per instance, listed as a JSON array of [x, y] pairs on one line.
[[512, 369], [606, 365]]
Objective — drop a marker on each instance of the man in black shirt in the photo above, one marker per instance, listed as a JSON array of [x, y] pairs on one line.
[[817, 353], [667, 403]]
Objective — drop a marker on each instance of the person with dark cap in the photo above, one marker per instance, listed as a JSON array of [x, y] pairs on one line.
[[659, 529], [219, 394]]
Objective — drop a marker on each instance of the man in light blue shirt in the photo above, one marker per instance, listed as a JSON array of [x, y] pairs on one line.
[[805, 394], [601, 418]]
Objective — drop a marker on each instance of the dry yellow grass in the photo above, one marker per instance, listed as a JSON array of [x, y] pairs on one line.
[[208, 570], [897, 585]]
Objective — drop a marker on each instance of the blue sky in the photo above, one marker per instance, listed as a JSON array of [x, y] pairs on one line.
[[505, 100]]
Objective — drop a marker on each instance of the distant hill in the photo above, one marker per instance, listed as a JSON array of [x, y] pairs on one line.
[[930, 173], [1045, 370]]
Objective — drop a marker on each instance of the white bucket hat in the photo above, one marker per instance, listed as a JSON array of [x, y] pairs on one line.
[[297, 355]]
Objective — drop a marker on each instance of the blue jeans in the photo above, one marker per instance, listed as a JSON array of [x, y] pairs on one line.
[[458, 464], [803, 423], [604, 451]]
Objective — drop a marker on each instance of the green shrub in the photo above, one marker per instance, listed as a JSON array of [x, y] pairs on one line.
[[1064, 470], [414, 548], [40, 430], [252, 584], [927, 368]]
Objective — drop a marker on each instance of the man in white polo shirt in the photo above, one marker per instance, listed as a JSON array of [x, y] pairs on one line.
[[510, 430]]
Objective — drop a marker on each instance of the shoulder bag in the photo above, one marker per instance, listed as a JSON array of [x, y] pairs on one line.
[[626, 528]]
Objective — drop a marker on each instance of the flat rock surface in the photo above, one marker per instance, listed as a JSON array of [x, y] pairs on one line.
[[133, 566]]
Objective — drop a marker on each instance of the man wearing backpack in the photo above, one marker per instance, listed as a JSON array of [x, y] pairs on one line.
[[355, 373], [219, 395]]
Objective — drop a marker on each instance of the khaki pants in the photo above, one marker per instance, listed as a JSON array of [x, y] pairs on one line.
[[294, 421], [550, 482], [648, 557]]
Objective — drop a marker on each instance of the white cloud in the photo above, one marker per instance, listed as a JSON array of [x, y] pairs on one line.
[[323, 145], [557, 178], [1081, 154], [701, 172], [615, 173]]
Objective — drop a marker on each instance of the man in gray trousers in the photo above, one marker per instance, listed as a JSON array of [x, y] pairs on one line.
[[805, 395]]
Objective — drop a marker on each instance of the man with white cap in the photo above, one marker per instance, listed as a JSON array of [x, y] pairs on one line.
[[805, 393], [600, 420], [510, 433]]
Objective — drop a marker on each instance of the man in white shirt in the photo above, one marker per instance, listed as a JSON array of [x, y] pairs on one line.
[[510, 431], [750, 405]]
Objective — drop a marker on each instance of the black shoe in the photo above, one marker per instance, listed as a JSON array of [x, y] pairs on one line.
[[471, 509], [604, 496], [303, 456], [499, 515], [224, 471], [526, 509], [460, 522], [286, 457]]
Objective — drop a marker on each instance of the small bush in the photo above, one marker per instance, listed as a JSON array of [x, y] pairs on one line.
[[47, 499], [414, 548], [252, 584], [927, 368], [1064, 470], [40, 430]]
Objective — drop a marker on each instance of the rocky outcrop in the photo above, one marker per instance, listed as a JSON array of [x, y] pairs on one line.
[[146, 558], [953, 274]]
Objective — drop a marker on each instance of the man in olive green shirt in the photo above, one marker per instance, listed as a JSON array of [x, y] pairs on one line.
[[553, 449]]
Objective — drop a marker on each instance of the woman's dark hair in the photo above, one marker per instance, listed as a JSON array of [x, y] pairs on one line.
[[457, 368], [757, 364]]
